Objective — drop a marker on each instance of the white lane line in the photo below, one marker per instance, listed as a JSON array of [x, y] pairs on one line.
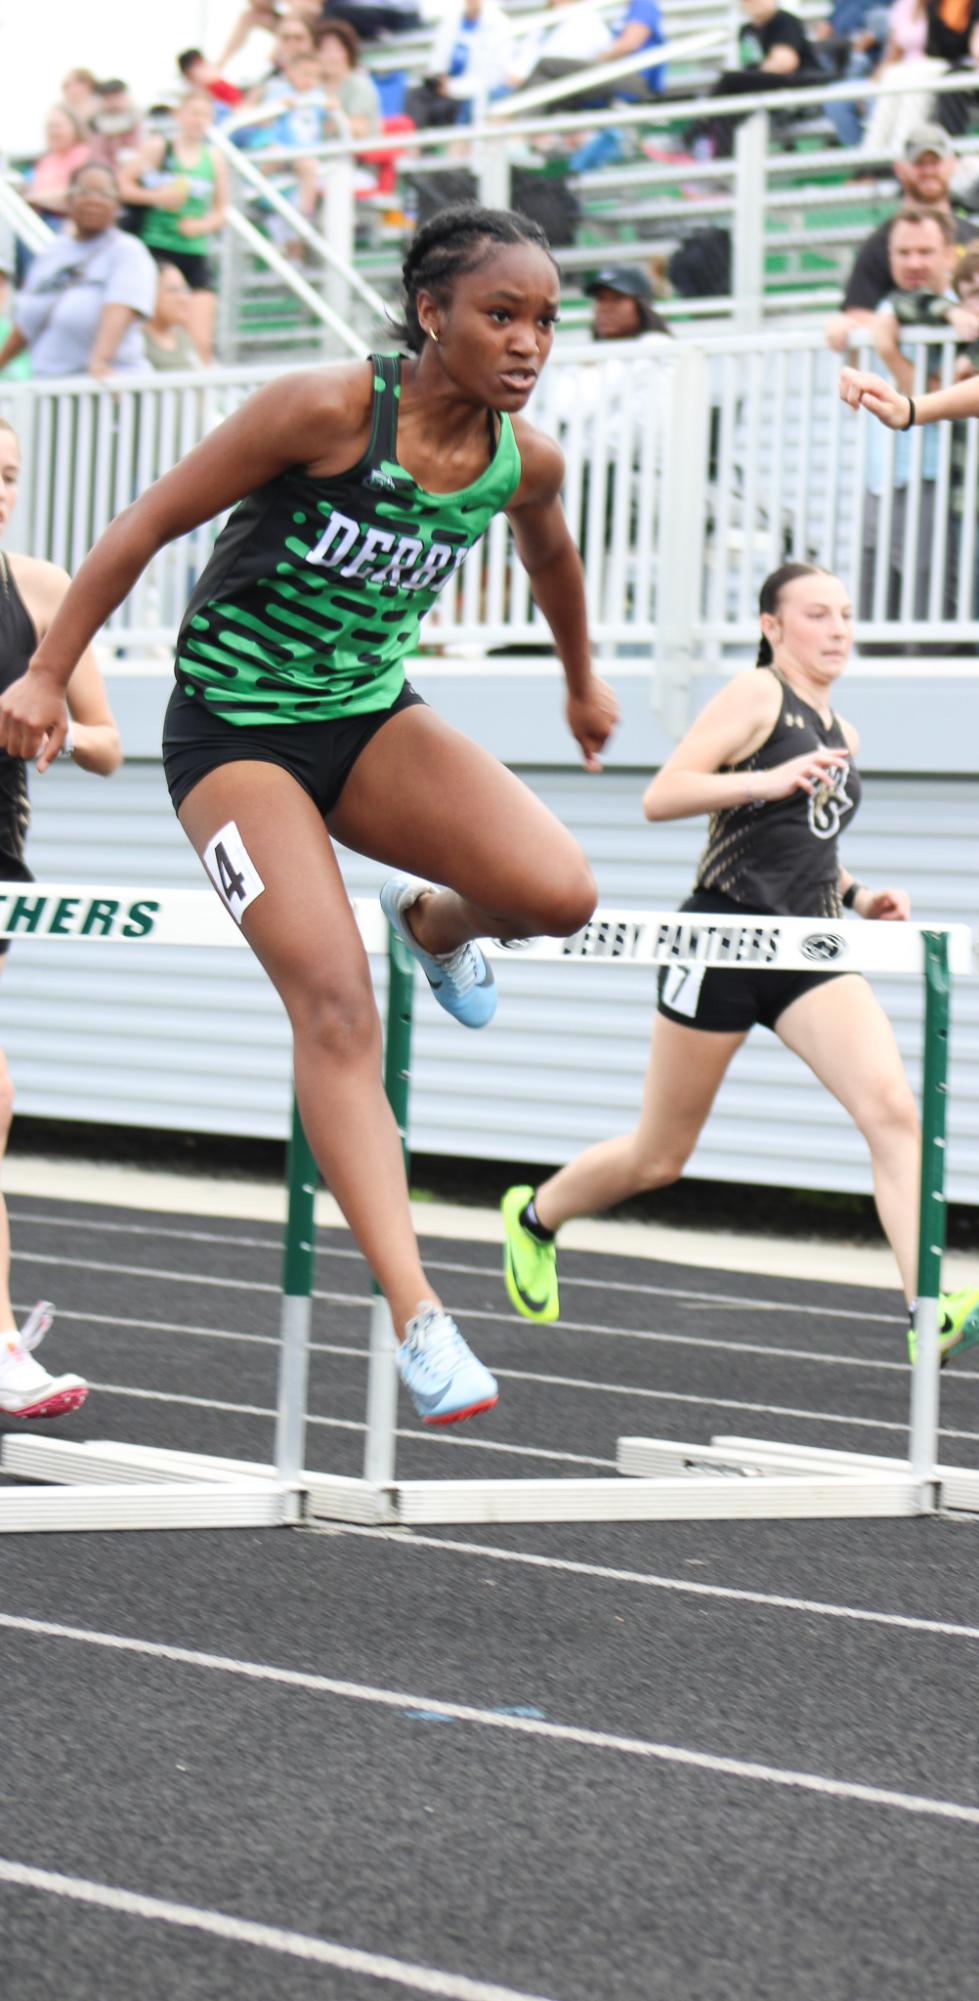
[[658, 1338], [737, 1300], [650, 1336], [684, 1586], [849, 1790], [557, 1328], [351, 1424], [658, 1396], [268, 1938], [151, 1271]]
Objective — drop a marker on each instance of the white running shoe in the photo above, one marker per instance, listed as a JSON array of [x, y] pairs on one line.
[[461, 981], [26, 1390], [445, 1380]]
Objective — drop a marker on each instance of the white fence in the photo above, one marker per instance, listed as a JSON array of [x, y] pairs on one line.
[[693, 468]]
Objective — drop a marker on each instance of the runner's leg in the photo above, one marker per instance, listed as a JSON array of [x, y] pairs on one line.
[[841, 1031], [6, 1119], [686, 1069], [423, 798], [302, 929]]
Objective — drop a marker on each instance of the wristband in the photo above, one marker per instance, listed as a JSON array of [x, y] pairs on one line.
[[908, 426], [68, 747], [850, 895]]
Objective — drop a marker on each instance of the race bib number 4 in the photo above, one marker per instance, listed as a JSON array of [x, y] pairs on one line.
[[232, 871]]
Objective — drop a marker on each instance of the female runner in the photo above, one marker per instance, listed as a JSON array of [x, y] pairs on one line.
[[30, 594], [362, 485], [772, 764]]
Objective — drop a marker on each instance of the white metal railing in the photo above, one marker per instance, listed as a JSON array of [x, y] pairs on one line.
[[693, 468], [740, 185], [410, 49], [748, 195], [736, 191], [21, 218], [88, 449], [36, 234], [786, 472]]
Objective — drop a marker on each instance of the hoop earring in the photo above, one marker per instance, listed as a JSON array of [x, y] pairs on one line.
[[433, 335]]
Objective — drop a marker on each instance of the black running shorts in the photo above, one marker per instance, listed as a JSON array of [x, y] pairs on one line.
[[727, 1000], [13, 867], [320, 756], [194, 265]]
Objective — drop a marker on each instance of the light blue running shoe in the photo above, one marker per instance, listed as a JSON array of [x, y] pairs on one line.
[[461, 981], [443, 1377]]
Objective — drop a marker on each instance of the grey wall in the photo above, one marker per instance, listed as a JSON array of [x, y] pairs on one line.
[[191, 1041]]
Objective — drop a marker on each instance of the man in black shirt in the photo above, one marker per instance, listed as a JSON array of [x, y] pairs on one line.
[[776, 54], [924, 172]]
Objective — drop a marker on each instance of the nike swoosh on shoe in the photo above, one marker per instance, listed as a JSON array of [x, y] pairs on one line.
[[536, 1305]]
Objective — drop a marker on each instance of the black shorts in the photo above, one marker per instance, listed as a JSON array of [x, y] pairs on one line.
[[320, 756], [194, 265], [727, 1000], [12, 869]]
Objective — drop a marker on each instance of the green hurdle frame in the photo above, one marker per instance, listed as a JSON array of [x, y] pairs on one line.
[[932, 1207], [380, 1448], [100, 1485]]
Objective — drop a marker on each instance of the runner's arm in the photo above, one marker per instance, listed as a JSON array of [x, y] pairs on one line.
[[277, 427], [735, 723], [557, 580], [870, 392]]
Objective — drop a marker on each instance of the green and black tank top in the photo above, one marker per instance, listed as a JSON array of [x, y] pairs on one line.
[[316, 588]]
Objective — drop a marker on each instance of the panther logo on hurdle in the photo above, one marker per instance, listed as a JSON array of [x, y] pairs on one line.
[[823, 946]]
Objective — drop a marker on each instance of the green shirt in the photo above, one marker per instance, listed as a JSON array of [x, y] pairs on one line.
[[160, 229], [316, 587]]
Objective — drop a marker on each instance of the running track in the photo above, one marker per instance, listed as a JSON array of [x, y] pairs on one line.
[[730, 1762]]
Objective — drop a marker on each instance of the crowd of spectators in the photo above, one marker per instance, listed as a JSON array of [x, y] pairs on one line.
[[290, 79], [106, 296]]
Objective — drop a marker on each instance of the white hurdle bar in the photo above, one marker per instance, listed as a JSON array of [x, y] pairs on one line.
[[125, 1486]]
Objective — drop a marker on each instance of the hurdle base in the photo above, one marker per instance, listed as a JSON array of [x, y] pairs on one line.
[[230, 1493], [235, 1504], [948, 1488], [126, 1486]]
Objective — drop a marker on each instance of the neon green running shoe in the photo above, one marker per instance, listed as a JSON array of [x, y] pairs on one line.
[[958, 1324], [529, 1267]]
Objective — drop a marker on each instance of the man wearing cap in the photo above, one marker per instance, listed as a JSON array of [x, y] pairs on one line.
[[623, 304], [924, 172]]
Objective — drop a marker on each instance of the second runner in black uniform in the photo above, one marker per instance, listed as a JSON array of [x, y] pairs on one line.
[[771, 858], [18, 639], [30, 593], [772, 764]]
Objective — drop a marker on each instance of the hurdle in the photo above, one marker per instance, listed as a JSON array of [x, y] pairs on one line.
[[100, 1485]]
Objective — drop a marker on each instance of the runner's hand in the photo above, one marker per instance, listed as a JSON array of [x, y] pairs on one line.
[[799, 774], [591, 719], [889, 906], [864, 391], [33, 719]]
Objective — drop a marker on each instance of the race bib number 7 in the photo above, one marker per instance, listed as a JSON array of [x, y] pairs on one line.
[[681, 989], [232, 871]]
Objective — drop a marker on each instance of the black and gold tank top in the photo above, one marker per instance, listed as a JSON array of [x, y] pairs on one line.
[[781, 856], [18, 640]]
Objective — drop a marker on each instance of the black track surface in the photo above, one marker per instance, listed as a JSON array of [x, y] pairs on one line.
[[549, 1867]]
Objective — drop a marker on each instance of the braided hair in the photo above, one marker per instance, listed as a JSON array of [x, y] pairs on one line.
[[770, 593], [455, 240]]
